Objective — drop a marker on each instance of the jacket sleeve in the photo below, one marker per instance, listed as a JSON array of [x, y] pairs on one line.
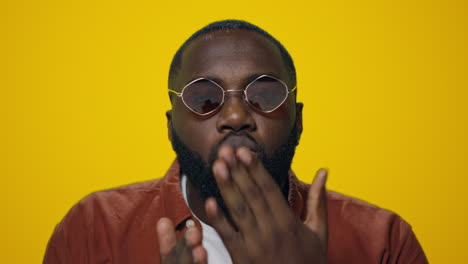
[[69, 241], [404, 246]]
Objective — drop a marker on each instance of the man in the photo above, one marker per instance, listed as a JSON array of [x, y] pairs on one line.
[[230, 197]]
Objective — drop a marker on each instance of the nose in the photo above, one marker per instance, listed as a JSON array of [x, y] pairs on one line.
[[235, 115]]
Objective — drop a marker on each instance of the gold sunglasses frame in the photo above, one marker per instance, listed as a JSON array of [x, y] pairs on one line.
[[226, 91]]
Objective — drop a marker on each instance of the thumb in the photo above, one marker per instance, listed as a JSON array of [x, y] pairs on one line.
[[166, 236], [316, 218]]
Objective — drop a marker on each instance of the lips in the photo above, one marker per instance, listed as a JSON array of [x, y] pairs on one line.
[[240, 141]]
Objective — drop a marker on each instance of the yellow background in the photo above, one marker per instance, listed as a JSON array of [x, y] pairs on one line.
[[384, 83]]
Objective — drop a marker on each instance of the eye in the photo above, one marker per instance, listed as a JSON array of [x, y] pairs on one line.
[[203, 96], [266, 93]]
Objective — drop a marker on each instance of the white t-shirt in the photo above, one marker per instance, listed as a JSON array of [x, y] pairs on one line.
[[217, 252]]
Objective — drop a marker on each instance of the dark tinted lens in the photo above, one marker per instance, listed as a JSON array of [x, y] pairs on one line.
[[202, 96], [266, 93]]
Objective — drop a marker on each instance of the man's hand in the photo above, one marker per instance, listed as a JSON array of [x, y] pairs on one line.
[[268, 231], [187, 250]]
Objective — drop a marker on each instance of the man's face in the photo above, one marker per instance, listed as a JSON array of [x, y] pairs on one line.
[[232, 59]]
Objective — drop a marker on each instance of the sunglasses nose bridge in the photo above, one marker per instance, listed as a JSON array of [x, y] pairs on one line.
[[233, 93]]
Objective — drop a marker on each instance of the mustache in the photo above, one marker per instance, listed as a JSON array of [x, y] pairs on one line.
[[236, 134], [214, 152]]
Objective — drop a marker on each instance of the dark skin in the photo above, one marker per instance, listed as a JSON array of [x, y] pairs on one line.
[[266, 230]]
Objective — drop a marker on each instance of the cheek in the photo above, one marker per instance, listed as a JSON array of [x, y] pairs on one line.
[[273, 135], [195, 132], [273, 130]]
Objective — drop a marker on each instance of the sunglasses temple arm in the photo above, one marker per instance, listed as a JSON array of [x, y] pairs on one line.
[[172, 91]]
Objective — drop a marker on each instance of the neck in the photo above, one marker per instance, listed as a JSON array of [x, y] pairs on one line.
[[195, 202]]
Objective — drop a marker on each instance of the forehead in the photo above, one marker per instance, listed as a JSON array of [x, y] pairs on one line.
[[231, 56]]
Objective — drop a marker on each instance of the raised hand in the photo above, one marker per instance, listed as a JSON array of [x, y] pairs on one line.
[[268, 231], [187, 250]]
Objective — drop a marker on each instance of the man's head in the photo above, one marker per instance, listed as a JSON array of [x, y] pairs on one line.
[[232, 53], [230, 25]]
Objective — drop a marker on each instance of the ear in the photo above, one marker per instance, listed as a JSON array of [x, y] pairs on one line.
[[169, 124], [299, 107]]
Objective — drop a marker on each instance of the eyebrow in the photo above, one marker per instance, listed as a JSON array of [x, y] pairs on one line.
[[248, 79]]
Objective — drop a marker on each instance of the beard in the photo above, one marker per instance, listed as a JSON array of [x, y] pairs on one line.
[[200, 173]]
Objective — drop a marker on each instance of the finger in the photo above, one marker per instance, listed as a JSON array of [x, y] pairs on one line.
[[232, 240], [166, 236], [269, 188], [172, 250], [235, 202], [250, 194], [200, 256], [183, 251], [248, 187], [193, 238], [316, 218]]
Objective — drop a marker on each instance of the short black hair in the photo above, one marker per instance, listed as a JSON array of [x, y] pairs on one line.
[[226, 25]]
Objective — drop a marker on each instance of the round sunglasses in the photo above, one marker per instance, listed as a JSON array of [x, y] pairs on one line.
[[204, 96]]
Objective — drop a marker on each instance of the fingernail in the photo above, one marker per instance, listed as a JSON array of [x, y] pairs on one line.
[[223, 174], [221, 171], [187, 240], [323, 174], [245, 156], [227, 154], [211, 207]]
